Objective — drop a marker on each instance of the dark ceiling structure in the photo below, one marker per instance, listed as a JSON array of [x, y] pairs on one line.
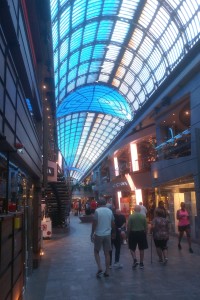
[[110, 57]]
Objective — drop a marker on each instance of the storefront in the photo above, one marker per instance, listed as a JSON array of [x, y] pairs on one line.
[[175, 192], [132, 188]]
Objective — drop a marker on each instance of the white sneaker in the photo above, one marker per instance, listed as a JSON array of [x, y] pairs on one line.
[[117, 265]]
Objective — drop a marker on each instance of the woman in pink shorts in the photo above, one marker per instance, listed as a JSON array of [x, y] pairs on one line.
[[182, 216]]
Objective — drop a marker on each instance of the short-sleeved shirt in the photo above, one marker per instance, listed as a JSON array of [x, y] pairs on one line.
[[161, 228], [143, 210], [104, 217], [184, 218], [119, 220], [137, 222]]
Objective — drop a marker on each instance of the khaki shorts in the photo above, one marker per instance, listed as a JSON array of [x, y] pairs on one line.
[[102, 241]]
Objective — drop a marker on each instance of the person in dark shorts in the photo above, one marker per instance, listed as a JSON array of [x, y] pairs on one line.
[[182, 216], [120, 223], [160, 230], [137, 235]]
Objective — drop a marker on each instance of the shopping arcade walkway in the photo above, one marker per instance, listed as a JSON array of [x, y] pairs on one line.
[[67, 272]]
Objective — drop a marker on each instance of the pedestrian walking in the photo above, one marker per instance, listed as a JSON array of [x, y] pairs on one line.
[[143, 209], [137, 231], [161, 205], [183, 218], [120, 223], [103, 222], [160, 231]]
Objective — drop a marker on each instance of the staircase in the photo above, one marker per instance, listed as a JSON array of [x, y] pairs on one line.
[[59, 202]]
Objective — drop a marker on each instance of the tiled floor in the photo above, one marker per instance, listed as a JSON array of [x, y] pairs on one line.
[[67, 272]]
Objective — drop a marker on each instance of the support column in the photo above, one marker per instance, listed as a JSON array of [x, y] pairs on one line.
[[37, 196]]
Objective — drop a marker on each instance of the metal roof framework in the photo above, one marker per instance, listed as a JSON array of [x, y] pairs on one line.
[[110, 56]]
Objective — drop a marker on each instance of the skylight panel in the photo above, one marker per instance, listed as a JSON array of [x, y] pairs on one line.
[[150, 85], [81, 81], [70, 87], [90, 33], [54, 8], [74, 59], [55, 35], [93, 9], [131, 98], [78, 12], [116, 82], [110, 7], [62, 94], [95, 66], [104, 30], [121, 71], [165, 41], [112, 52], [168, 39], [62, 83], [148, 13], [160, 23], [107, 66], [120, 32], [136, 87], [55, 58], [146, 48], [128, 9], [129, 78], [63, 70], [142, 97], [104, 77], [64, 50], [192, 30], [64, 23], [136, 65], [127, 58], [56, 78], [155, 59], [160, 72], [83, 69], [173, 55], [136, 39], [144, 74], [99, 51], [92, 78], [72, 74], [76, 39]]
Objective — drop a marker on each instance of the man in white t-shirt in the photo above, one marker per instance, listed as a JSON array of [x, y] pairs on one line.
[[102, 224], [143, 209]]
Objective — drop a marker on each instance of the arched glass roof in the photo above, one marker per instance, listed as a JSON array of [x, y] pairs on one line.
[[130, 46]]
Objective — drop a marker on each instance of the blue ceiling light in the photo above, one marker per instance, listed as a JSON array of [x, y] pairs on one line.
[[95, 98]]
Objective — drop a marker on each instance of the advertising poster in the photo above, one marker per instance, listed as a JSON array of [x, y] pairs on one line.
[[125, 206]]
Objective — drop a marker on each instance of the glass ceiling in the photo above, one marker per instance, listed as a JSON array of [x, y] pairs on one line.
[[110, 56]]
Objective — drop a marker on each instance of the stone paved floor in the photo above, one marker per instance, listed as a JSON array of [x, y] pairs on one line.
[[67, 272]]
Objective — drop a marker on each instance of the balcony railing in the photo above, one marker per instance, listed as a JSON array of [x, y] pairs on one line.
[[178, 146]]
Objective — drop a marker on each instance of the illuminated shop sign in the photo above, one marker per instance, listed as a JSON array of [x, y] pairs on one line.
[[120, 184]]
